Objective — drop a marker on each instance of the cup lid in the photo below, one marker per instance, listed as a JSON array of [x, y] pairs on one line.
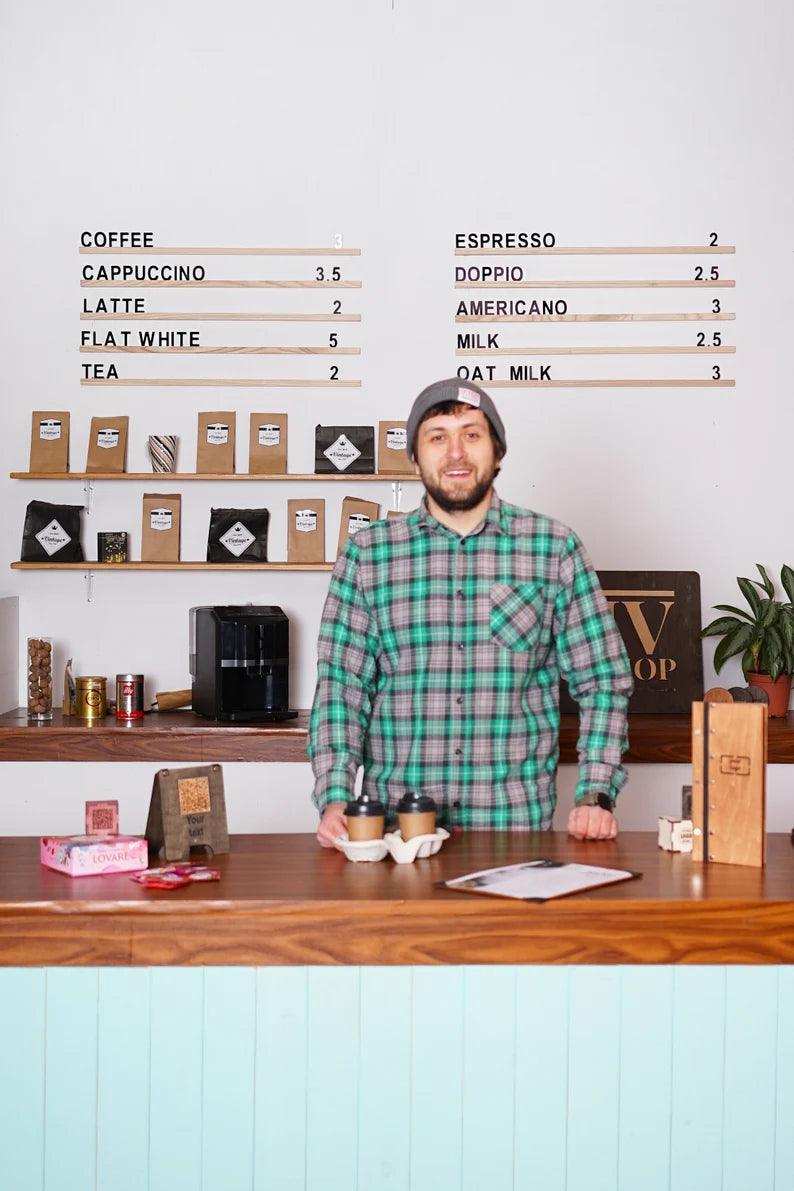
[[363, 807], [414, 803]]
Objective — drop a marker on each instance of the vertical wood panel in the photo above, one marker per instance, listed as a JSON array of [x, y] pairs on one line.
[[71, 1074], [784, 1133], [489, 1038], [594, 1059], [698, 1078], [646, 1047], [750, 1060], [385, 1079], [123, 1079], [332, 1101], [22, 1012], [429, 1078], [437, 1078], [228, 1078], [541, 1078], [281, 1090], [175, 1124]]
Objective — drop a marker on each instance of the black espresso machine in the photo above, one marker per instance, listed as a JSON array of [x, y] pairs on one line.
[[239, 662]]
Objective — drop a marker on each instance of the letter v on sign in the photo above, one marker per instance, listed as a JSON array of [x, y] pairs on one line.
[[647, 639]]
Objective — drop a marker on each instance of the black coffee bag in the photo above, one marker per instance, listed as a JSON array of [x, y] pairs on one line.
[[348, 449], [51, 533], [238, 535]]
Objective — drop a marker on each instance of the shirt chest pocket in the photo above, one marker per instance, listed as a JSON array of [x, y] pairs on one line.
[[516, 615]]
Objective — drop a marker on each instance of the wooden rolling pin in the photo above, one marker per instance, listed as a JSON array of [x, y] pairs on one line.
[[171, 700]]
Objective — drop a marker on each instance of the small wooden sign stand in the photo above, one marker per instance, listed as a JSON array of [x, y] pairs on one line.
[[729, 753], [187, 810]]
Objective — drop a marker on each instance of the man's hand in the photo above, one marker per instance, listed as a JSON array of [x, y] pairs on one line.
[[332, 824], [592, 822]]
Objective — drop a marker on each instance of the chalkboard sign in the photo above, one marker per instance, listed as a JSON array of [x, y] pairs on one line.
[[658, 617]]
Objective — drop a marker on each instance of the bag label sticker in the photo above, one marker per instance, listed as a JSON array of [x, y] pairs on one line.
[[237, 539], [53, 538], [342, 452]]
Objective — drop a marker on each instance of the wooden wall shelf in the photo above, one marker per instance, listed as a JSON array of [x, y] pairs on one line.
[[282, 899], [184, 736], [179, 476], [89, 566]]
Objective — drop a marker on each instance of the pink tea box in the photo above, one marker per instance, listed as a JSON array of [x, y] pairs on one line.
[[94, 855]]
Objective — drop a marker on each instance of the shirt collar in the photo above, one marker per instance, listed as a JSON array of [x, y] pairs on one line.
[[494, 521]]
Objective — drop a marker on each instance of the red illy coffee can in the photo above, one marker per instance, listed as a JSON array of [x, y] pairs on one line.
[[129, 696]]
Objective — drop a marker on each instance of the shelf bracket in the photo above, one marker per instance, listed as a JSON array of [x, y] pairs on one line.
[[88, 494], [88, 576], [397, 495]]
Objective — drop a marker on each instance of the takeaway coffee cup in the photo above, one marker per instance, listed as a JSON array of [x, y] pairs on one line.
[[416, 815], [365, 819]]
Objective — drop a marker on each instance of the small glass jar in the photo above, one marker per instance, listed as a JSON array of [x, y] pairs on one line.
[[39, 678]]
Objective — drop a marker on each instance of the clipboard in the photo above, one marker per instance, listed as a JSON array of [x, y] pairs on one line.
[[538, 880]]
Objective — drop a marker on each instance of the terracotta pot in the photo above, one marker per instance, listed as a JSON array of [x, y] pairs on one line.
[[779, 691]]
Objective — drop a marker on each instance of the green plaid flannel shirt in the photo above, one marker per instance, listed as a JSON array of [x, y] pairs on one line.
[[439, 661]]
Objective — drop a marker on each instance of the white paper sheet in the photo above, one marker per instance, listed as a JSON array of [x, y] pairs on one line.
[[539, 879]]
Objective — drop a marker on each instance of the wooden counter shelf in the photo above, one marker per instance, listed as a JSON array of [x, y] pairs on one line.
[[284, 900], [90, 566], [183, 736], [178, 476]]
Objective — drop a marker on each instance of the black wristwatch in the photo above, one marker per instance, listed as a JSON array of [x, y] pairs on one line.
[[600, 799]]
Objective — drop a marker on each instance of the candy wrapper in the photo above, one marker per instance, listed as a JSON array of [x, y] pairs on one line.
[[174, 876]]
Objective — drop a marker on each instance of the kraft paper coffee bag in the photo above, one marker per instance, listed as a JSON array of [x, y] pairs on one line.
[[267, 445], [160, 537], [356, 515], [107, 445], [215, 449], [49, 440], [305, 531], [392, 452]]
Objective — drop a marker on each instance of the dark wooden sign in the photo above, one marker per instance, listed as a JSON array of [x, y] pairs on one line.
[[658, 616], [187, 810]]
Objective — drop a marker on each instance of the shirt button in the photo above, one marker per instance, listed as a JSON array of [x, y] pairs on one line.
[[460, 645], [456, 803], [459, 592], [458, 752], [459, 699]]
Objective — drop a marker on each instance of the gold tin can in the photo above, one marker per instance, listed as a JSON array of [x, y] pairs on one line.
[[92, 700]]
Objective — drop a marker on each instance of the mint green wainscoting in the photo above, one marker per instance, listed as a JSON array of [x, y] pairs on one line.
[[367, 1079]]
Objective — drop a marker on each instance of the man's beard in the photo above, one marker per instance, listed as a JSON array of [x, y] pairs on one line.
[[464, 502]]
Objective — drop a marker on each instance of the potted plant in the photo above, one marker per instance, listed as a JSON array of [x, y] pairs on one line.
[[764, 637]]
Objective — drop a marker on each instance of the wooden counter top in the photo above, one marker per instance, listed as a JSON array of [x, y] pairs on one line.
[[183, 736], [284, 900]]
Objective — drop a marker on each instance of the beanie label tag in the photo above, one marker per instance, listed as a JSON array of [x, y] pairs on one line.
[[469, 397]]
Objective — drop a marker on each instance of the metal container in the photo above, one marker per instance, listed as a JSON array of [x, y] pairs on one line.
[[92, 700], [129, 696]]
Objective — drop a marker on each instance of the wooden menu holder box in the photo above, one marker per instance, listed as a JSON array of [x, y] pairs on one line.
[[729, 752], [187, 810]]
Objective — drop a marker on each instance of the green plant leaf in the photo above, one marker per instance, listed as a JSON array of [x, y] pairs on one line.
[[748, 662], [751, 595], [735, 642], [736, 611], [769, 613], [767, 584], [787, 579], [722, 625]]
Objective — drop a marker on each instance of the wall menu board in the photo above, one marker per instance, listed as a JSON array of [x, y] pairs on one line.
[[127, 280], [602, 308]]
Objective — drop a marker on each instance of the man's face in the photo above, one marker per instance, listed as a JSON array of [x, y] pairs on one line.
[[456, 459]]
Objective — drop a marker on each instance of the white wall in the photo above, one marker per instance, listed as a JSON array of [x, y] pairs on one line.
[[397, 123]]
